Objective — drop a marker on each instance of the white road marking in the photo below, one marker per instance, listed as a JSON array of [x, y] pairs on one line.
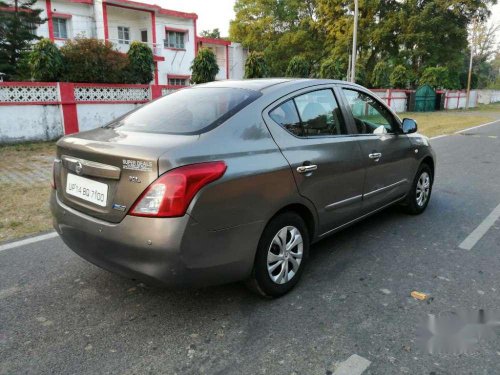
[[354, 365], [28, 241], [465, 130], [481, 229]]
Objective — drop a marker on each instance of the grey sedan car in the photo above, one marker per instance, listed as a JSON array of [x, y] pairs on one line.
[[234, 180]]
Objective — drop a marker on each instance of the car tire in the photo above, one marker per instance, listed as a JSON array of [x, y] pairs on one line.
[[420, 192], [281, 256]]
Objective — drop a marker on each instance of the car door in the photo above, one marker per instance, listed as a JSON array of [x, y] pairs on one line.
[[310, 130], [386, 151]]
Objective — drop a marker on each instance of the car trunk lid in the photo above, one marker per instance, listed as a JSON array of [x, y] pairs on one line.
[[104, 171]]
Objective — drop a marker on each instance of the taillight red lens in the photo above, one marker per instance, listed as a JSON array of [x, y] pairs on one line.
[[171, 194]]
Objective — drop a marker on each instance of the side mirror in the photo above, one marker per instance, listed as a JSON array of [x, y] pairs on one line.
[[409, 126]]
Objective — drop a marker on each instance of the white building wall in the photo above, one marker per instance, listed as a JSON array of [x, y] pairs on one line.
[[135, 20], [177, 62]]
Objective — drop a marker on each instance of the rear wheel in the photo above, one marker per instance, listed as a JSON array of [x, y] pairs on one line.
[[281, 255], [420, 193]]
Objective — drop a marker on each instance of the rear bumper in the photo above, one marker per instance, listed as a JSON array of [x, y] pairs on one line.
[[166, 251]]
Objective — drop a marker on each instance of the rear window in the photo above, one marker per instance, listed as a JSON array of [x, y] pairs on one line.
[[187, 111]]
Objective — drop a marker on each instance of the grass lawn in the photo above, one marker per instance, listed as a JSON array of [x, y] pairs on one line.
[[24, 208], [24, 202]]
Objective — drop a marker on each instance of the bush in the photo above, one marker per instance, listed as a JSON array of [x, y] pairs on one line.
[[380, 75], [400, 77], [256, 66], [298, 67], [141, 63], [46, 62], [94, 61], [333, 68], [204, 67], [437, 77]]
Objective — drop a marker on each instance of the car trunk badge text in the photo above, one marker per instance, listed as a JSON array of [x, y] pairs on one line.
[[138, 165], [119, 207]]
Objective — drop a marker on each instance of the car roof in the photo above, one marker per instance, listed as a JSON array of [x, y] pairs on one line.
[[271, 84]]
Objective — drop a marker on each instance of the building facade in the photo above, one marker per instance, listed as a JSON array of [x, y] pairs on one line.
[[172, 35]]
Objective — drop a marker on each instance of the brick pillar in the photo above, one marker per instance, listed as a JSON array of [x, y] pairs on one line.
[[155, 91], [68, 107]]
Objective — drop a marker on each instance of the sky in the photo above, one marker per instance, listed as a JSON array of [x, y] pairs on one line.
[[211, 13]]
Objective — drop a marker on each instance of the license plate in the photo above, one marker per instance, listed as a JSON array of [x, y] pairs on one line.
[[86, 189]]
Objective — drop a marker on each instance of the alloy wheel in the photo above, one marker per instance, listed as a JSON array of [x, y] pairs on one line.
[[423, 188], [285, 255]]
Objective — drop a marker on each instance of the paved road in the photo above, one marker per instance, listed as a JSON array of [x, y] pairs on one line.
[[59, 314]]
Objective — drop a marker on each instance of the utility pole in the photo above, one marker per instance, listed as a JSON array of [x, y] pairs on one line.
[[469, 77], [354, 42]]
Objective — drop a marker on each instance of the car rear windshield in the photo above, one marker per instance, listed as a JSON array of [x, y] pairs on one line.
[[187, 111]]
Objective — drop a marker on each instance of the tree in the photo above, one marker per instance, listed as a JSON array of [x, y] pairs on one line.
[[256, 65], [400, 77], [333, 68], [380, 75], [94, 61], [141, 63], [46, 62], [279, 29], [298, 67], [204, 67], [214, 34], [17, 31], [437, 77]]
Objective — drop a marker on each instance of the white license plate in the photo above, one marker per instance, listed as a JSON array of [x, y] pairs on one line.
[[86, 189]]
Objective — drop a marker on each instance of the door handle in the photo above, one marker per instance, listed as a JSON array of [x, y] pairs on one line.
[[375, 155], [307, 168]]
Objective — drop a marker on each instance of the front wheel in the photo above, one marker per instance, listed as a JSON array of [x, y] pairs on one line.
[[281, 255], [420, 193]]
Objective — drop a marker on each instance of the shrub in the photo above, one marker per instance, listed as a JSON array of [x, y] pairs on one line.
[[333, 68], [94, 61], [141, 63], [380, 75], [204, 67], [437, 77], [298, 67], [256, 66], [400, 77], [46, 62]]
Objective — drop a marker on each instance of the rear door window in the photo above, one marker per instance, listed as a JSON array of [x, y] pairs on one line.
[[187, 111], [313, 114]]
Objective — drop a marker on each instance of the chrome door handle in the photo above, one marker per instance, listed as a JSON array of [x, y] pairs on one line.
[[307, 168], [375, 155]]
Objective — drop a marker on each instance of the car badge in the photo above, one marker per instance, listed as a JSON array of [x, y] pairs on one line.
[[78, 168], [119, 207]]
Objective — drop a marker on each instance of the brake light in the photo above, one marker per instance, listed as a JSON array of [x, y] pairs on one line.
[[171, 194]]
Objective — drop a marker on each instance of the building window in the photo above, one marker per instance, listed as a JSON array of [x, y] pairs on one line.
[[123, 35], [175, 39], [177, 82], [60, 28], [144, 36]]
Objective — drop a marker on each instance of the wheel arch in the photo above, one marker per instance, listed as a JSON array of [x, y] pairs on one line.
[[430, 162], [304, 212]]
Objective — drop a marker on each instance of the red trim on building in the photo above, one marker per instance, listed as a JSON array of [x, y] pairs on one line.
[[61, 15], [158, 58], [29, 84], [176, 30], [48, 6], [150, 7], [105, 20], [156, 72], [153, 27], [68, 107], [227, 61], [221, 42], [13, 9]]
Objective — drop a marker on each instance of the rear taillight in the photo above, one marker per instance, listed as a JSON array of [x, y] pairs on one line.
[[171, 194]]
